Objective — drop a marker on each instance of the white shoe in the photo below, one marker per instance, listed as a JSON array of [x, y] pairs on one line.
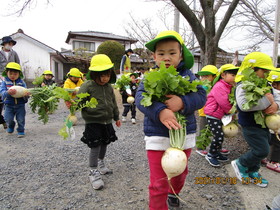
[[123, 119], [96, 180], [133, 121], [102, 168]]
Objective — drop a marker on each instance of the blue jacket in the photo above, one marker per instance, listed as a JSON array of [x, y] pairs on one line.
[[192, 102], [8, 99]]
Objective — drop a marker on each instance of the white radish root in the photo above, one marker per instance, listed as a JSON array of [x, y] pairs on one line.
[[273, 123], [173, 162], [230, 130]]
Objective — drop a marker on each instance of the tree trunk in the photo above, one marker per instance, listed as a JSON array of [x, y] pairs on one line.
[[207, 37]]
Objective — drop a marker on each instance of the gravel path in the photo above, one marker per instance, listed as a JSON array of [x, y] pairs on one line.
[[42, 171]]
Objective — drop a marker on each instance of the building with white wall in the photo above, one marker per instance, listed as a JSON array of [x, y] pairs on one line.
[[36, 57], [92, 39]]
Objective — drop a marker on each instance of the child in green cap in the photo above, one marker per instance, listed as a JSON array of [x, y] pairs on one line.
[[169, 47]]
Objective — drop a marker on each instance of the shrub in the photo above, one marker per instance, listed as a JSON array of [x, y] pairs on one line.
[[114, 50]]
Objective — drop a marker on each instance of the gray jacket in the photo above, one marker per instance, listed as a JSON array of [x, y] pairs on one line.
[[263, 102], [13, 57]]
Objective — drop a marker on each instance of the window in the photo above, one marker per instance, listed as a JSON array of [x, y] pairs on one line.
[[89, 46]]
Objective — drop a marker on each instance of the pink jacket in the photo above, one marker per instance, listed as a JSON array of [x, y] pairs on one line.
[[217, 104]]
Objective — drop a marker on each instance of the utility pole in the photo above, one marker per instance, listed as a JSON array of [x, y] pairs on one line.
[[176, 19], [276, 33]]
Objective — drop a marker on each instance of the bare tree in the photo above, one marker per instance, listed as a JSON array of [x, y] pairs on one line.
[[142, 30], [19, 6], [206, 34], [256, 20], [146, 29]]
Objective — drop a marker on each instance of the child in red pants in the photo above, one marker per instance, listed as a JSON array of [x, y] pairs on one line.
[[169, 47]]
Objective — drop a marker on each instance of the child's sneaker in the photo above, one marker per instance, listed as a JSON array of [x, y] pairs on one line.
[[240, 171], [213, 161], [10, 130], [133, 120], [256, 178], [21, 134], [201, 152], [224, 151], [274, 166], [96, 180], [123, 119], [222, 158], [173, 200], [102, 168], [5, 126]]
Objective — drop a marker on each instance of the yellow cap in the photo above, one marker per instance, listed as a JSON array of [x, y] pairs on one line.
[[225, 67], [208, 70], [255, 59], [74, 72], [274, 76], [12, 66], [48, 72], [100, 62], [187, 56]]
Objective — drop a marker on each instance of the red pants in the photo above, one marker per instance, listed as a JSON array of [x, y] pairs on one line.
[[159, 187]]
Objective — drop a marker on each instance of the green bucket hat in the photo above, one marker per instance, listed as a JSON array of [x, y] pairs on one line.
[[187, 56]]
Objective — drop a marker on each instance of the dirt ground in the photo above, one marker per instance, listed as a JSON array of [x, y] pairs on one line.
[[43, 171]]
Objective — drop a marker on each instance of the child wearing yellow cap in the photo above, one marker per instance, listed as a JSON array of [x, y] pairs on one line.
[[73, 81], [168, 47], [247, 166], [99, 131], [14, 107], [217, 106], [273, 160], [47, 78], [208, 72]]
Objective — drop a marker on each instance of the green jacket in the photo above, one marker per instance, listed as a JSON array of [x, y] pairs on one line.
[[107, 108]]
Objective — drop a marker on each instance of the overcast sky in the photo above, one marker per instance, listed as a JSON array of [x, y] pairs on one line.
[[51, 23]]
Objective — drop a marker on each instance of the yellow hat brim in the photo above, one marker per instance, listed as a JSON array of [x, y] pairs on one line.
[[101, 67]]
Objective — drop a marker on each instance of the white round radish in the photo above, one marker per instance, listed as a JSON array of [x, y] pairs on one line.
[[20, 91], [273, 122], [130, 99], [230, 130], [73, 119], [173, 162]]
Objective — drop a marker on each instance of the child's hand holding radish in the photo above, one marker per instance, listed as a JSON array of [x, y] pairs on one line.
[[174, 103], [26, 94], [68, 104], [272, 109], [12, 91], [168, 118], [118, 123]]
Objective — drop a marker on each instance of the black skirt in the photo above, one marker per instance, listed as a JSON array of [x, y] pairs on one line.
[[96, 134]]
